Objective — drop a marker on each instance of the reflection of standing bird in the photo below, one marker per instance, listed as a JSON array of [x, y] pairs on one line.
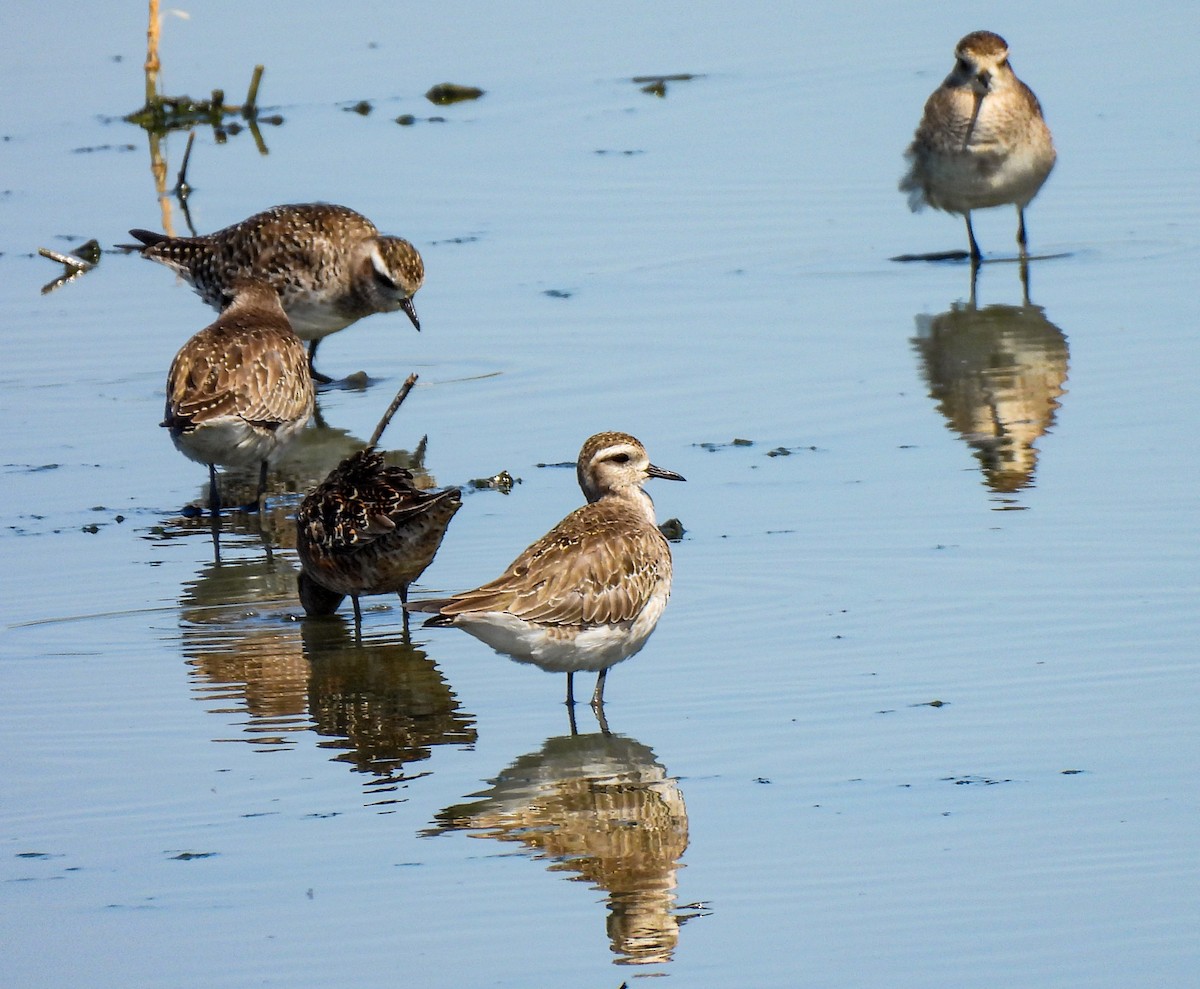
[[997, 374], [600, 808], [329, 264], [239, 390], [588, 593], [367, 529], [982, 140]]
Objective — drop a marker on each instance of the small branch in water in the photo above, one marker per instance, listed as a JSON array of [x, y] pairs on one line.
[[73, 264], [250, 110], [68, 259], [181, 185], [401, 395], [152, 63]]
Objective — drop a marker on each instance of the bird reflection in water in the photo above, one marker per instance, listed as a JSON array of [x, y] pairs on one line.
[[602, 809], [997, 374], [246, 658], [381, 706]]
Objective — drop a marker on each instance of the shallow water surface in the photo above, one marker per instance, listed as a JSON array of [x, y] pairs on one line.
[[921, 709]]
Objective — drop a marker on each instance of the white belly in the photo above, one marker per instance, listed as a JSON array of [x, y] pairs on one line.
[[565, 648], [233, 442]]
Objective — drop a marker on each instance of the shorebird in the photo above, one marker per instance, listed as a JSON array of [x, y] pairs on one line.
[[329, 264], [982, 141], [239, 390], [588, 593], [367, 529]]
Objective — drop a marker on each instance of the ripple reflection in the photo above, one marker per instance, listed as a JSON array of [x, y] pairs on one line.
[[381, 704], [601, 808], [997, 374]]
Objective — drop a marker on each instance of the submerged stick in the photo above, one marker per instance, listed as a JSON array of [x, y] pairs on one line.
[[401, 395], [181, 185]]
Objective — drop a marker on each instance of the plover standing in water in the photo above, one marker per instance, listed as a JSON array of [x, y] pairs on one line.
[[239, 390], [329, 264], [367, 529], [982, 141], [588, 593]]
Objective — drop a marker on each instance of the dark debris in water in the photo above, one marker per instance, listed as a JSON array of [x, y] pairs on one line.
[[657, 85], [188, 856], [445, 93], [629, 152], [557, 293], [104, 147], [673, 529], [713, 447], [973, 780], [362, 108], [408, 119], [502, 482]]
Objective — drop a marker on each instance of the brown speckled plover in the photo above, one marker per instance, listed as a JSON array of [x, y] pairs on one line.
[[982, 141], [329, 264], [587, 594]]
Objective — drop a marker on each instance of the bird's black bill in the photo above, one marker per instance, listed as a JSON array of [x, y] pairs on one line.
[[666, 475], [411, 311]]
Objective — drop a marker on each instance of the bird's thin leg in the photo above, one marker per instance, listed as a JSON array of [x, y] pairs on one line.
[[313, 372], [357, 610], [214, 491], [404, 609], [976, 254], [598, 694], [602, 721], [570, 689], [215, 524], [260, 498], [1021, 232]]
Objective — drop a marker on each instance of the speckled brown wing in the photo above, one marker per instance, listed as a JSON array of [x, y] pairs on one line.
[[362, 500], [943, 126], [599, 565], [282, 245], [367, 529], [259, 373]]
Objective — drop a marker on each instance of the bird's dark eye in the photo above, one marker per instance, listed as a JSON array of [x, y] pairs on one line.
[[1004, 64], [963, 66], [619, 458]]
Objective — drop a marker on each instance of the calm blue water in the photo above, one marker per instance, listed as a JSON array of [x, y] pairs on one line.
[[921, 710]]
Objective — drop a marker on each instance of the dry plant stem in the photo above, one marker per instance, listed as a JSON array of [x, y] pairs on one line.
[[401, 395], [152, 62], [78, 264], [250, 110]]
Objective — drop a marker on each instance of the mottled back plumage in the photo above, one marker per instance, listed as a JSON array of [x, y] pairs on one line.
[[588, 593], [367, 529], [239, 390], [329, 265]]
